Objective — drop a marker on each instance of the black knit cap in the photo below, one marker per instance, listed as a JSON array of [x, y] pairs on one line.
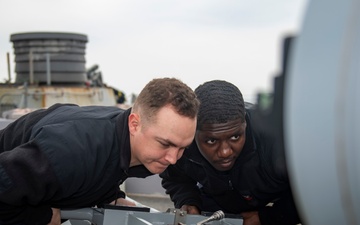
[[220, 102]]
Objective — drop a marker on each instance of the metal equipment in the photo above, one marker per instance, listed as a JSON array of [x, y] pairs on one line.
[[118, 215], [218, 215]]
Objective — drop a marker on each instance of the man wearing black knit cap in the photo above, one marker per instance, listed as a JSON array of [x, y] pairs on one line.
[[231, 165]]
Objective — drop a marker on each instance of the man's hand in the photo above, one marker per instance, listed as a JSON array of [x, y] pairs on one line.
[[250, 218], [123, 202], [190, 209], [56, 217]]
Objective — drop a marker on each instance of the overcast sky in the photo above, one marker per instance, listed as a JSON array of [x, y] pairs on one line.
[[134, 41]]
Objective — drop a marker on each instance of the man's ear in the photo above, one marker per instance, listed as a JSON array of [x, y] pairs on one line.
[[134, 122]]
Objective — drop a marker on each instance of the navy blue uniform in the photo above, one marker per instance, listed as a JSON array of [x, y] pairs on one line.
[[259, 177], [63, 157]]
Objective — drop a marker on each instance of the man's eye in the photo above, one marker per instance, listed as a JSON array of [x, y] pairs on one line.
[[235, 137], [211, 141], [165, 145]]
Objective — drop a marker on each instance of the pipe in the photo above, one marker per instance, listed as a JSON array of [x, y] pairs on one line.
[[48, 69], [8, 65], [218, 215]]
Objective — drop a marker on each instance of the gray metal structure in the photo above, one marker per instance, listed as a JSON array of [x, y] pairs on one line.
[[101, 216], [322, 108], [41, 57]]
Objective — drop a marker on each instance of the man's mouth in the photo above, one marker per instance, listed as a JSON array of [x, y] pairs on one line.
[[163, 165], [226, 163]]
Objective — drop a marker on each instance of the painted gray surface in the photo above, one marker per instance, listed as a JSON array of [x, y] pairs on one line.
[[44, 56], [88, 216], [148, 185], [322, 108], [4, 123]]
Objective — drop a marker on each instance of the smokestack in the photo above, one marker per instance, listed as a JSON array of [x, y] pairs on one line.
[[66, 55]]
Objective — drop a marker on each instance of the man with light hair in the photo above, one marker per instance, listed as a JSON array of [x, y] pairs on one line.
[[67, 156]]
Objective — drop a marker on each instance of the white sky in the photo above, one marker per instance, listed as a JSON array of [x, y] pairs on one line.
[[134, 41]]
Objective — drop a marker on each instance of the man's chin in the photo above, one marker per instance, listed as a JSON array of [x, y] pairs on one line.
[[157, 170], [224, 167]]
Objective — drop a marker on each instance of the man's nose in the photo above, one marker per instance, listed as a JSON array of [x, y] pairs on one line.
[[225, 150], [172, 155]]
